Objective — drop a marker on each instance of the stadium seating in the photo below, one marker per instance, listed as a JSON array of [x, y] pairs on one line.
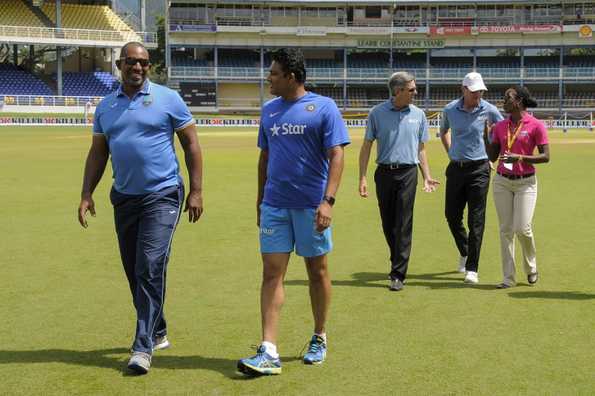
[[89, 84], [368, 60], [188, 61], [16, 81], [16, 13], [77, 16]]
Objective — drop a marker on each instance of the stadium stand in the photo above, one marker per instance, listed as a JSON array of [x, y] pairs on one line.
[[79, 16], [16, 81], [89, 84], [16, 13]]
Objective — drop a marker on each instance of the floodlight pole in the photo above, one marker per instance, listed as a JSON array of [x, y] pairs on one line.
[[59, 49], [560, 81], [522, 53]]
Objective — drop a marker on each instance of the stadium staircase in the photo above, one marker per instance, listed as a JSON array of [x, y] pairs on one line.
[[39, 14]]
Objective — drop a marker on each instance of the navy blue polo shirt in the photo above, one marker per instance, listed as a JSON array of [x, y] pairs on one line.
[[398, 132], [466, 129], [140, 137]]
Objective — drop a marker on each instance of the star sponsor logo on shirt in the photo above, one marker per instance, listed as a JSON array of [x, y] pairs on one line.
[[288, 129]]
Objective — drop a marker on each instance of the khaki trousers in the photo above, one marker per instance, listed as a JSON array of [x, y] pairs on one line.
[[515, 203]]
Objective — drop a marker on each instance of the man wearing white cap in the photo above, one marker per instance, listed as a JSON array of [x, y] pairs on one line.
[[468, 173]]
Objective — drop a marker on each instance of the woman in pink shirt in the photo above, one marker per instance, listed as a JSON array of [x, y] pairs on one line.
[[515, 185]]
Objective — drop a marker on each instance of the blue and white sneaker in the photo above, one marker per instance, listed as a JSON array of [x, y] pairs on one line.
[[316, 351], [260, 364]]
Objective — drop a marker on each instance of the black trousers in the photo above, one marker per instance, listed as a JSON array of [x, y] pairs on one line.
[[395, 190], [145, 225], [467, 184]]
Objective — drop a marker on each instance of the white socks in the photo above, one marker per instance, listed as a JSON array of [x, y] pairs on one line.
[[270, 349], [323, 336]]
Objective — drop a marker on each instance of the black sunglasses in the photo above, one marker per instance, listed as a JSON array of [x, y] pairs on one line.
[[134, 61]]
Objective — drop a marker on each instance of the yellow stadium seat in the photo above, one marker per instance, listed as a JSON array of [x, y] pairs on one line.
[[78, 16], [16, 13]]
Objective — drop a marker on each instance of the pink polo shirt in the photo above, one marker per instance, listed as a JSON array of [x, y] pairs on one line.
[[531, 134]]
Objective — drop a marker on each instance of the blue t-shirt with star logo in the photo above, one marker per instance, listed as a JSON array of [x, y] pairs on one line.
[[297, 135], [140, 137]]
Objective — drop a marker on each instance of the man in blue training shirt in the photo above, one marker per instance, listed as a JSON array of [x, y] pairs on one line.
[[301, 137], [135, 126], [401, 131], [468, 173]]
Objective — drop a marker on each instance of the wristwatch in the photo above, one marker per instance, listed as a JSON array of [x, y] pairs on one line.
[[329, 199]]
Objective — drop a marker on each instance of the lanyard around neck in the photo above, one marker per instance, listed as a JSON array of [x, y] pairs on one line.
[[510, 136]]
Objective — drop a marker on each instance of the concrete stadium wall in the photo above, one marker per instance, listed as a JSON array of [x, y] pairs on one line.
[[239, 95]]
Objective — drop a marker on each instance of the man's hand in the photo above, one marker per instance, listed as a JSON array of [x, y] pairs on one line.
[[363, 187], [430, 185], [87, 205], [324, 214], [194, 206]]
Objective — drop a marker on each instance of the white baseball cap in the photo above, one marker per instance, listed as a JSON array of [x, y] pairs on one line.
[[474, 82]]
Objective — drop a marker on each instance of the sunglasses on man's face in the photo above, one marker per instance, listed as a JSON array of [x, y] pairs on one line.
[[134, 61]]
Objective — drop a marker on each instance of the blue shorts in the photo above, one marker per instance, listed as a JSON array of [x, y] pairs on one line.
[[281, 229]]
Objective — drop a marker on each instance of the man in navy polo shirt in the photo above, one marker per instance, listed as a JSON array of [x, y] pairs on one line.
[[401, 130], [468, 173], [301, 139], [135, 125]]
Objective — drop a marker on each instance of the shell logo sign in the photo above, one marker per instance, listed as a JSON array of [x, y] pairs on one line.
[[585, 31]]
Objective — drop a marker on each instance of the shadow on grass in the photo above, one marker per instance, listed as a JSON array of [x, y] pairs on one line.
[[438, 280], [104, 358], [556, 295], [359, 279]]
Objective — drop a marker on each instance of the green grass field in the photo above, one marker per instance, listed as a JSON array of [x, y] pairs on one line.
[[68, 320]]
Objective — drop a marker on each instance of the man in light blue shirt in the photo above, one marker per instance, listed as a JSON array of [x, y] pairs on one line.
[[401, 130], [468, 173], [135, 125]]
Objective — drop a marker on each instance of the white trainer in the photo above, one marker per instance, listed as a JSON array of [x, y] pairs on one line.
[[161, 343], [471, 277], [462, 263], [140, 362]]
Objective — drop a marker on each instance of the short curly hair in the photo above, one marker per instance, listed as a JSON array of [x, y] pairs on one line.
[[291, 60]]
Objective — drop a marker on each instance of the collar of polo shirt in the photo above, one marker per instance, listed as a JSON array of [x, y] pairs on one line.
[[145, 90], [391, 106], [462, 108]]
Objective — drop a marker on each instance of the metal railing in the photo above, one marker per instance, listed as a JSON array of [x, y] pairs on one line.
[[44, 100], [381, 74], [76, 34], [254, 103]]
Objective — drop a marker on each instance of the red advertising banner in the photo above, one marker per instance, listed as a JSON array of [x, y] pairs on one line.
[[450, 30], [473, 30]]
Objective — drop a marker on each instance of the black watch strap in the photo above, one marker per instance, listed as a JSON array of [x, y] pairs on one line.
[[329, 199]]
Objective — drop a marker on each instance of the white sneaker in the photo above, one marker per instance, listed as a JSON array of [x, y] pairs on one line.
[[462, 263], [161, 343], [471, 277], [140, 362]]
